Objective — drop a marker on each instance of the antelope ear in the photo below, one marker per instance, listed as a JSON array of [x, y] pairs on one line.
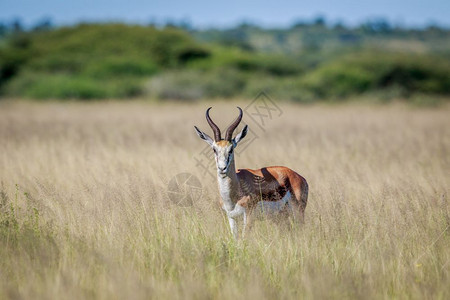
[[240, 135], [204, 136]]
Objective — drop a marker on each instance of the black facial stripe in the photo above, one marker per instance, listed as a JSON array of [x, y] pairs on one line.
[[228, 158]]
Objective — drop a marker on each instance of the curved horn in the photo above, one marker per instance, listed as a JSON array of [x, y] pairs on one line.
[[213, 126], [229, 133]]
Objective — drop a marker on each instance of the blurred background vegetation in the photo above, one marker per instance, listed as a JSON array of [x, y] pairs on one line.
[[308, 62]]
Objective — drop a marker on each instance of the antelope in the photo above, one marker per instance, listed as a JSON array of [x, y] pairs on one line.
[[273, 190]]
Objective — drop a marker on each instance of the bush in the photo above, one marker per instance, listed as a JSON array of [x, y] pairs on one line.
[[288, 88], [196, 84], [337, 80], [93, 61], [12, 58], [273, 65], [95, 42], [63, 86], [377, 71], [120, 67]]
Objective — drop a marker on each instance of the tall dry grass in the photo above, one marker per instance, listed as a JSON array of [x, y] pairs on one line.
[[85, 211]]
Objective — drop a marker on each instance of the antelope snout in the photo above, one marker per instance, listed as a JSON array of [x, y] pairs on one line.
[[222, 169]]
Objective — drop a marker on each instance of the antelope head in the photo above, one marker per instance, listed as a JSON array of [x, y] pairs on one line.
[[223, 148]]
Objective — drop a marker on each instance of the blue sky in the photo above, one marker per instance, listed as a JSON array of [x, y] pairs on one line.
[[225, 13]]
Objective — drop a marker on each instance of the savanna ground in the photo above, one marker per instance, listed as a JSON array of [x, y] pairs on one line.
[[85, 211]]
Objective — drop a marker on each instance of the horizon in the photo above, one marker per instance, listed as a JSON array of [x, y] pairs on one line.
[[203, 15]]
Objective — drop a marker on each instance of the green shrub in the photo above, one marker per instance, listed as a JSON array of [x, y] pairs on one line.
[[64, 86], [337, 80], [95, 42], [286, 88], [93, 61], [11, 60], [273, 65], [120, 67], [189, 54], [196, 84], [363, 72]]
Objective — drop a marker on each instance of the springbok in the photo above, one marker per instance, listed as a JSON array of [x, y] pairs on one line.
[[271, 189]]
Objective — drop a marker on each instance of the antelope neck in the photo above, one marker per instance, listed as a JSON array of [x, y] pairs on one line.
[[229, 186]]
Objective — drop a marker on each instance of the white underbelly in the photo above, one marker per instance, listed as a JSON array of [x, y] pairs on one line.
[[272, 207]]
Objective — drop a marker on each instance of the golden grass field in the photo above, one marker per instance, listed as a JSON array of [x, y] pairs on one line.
[[85, 213]]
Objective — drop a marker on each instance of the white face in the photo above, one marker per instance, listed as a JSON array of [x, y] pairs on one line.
[[223, 149], [224, 154]]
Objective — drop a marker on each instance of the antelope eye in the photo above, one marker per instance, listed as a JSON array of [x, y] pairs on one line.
[[215, 151]]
